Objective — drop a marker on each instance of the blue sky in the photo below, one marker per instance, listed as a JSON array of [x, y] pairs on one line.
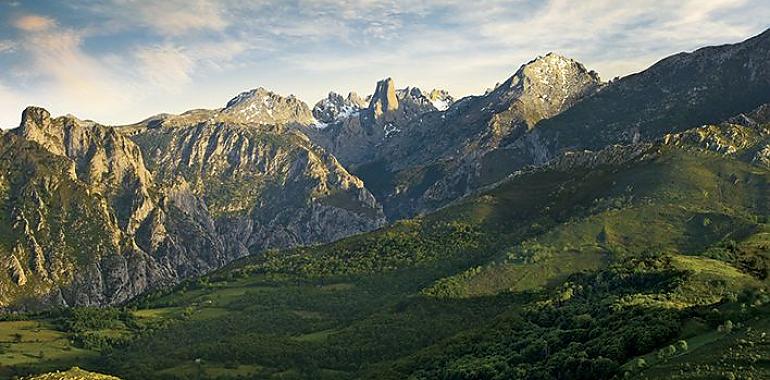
[[119, 61]]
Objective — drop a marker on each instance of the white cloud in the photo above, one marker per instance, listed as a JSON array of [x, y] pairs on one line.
[[168, 17]]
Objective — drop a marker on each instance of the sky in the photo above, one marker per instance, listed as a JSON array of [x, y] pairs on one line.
[[120, 61]]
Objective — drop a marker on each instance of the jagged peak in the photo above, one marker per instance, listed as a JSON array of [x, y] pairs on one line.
[[542, 68], [34, 116], [334, 107], [263, 106], [441, 99], [353, 97], [384, 98], [259, 93], [543, 87], [551, 73]]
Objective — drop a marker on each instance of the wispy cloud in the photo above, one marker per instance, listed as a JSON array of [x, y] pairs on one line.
[[167, 18], [165, 66], [120, 60], [34, 23], [180, 16]]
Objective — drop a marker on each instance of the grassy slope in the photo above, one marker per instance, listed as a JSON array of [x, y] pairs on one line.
[[432, 297]]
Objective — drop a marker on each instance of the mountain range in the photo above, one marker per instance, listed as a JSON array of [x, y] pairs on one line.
[[409, 234]]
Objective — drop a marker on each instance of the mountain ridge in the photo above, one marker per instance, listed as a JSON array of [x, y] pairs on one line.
[[263, 172]]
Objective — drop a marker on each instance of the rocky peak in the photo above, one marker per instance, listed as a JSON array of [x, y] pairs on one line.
[[34, 116], [545, 86], [441, 99], [335, 107], [36, 126], [415, 101], [110, 163], [261, 106], [354, 98], [384, 99]]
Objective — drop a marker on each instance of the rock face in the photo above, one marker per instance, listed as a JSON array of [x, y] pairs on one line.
[[260, 106], [441, 99], [336, 108], [269, 186], [84, 228], [96, 215], [355, 134], [384, 101], [109, 163], [425, 172]]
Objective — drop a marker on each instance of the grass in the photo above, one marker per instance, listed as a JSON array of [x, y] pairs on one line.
[[318, 336], [741, 354], [212, 370], [518, 276], [36, 346]]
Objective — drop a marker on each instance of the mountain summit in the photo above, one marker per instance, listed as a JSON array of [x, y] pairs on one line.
[[384, 99], [335, 107], [544, 87], [262, 106]]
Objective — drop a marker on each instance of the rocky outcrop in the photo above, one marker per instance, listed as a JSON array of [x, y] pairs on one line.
[[336, 108], [264, 186], [260, 106], [108, 162], [71, 374], [427, 171], [354, 137], [384, 101], [441, 99], [745, 136], [87, 225], [101, 214]]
